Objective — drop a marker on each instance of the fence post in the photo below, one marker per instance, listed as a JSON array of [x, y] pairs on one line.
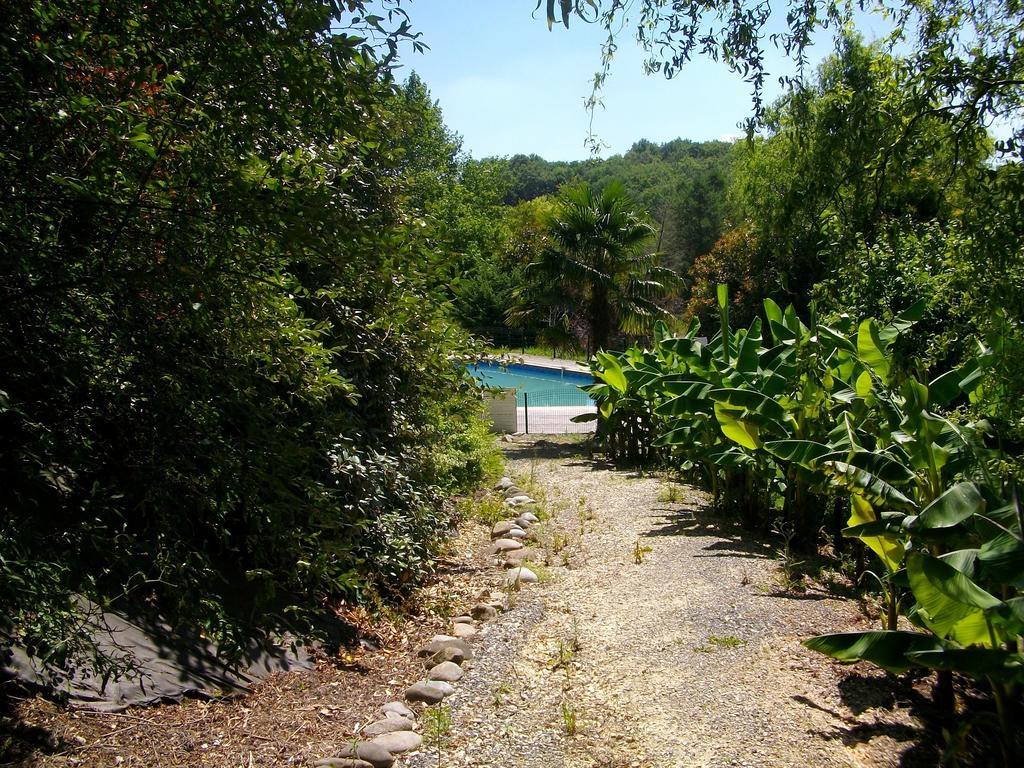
[[526, 410]]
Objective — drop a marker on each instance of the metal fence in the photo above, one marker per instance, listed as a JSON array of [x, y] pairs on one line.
[[550, 412]]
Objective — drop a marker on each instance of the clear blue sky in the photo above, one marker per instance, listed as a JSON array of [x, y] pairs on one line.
[[508, 85]]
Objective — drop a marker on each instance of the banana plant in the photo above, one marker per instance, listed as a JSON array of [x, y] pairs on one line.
[[811, 409], [968, 600], [625, 404]]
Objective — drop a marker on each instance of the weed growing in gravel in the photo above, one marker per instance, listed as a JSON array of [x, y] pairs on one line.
[[569, 718], [584, 513], [566, 651], [791, 576], [487, 509], [501, 690], [720, 641], [559, 541], [640, 552], [437, 722], [670, 494], [726, 641], [511, 591], [542, 571]]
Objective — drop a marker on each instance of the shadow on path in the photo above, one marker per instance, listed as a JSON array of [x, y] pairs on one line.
[[731, 541], [862, 693], [544, 448]]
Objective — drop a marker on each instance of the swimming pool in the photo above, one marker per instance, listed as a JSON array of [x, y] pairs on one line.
[[541, 386]]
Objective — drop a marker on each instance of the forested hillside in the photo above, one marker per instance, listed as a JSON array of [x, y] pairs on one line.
[[681, 183]]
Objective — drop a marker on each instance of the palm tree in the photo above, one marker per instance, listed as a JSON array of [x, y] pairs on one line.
[[597, 262]]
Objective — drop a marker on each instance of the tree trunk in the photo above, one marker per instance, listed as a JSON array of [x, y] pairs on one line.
[[600, 319]]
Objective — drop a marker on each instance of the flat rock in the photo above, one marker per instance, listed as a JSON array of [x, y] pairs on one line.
[[467, 619], [447, 671], [520, 575], [528, 518], [505, 482], [342, 762], [505, 545], [453, 654], [388, 725], [484, 612], [501, 528], [513, 490], [447, 688], [463, 630], [428, 693], [517, 557], [441, 642], [367, 751], [520, 499], [517, 533], [398, 708], [401, 741]]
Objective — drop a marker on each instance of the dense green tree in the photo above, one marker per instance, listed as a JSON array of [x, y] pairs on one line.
[[459, 202], [597, 258], [226, 392], [842, 157]]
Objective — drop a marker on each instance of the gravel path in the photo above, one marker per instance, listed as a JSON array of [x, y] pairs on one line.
[[688, 658]]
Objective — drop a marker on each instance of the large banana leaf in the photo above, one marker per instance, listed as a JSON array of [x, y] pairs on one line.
[[683, 347], [835, 339], [781, 334], [738, 429], [875, 491], [696, 389], [951, 604], [844, 436], [889, 524], [753, 403], [978, 663], [1010, 617], [804, 452], [1002, 560], [611, 372], [748, 348], [681, 436], [871, 351], [773, 312], [889, 650], [690, 399], [954, 506], [880, 465], [731, 458], [887, 546], [947, 387]]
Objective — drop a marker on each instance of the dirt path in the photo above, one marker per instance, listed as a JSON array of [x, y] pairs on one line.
[[688, 658]]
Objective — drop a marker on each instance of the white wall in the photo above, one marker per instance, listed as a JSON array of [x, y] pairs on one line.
[[502, 410]]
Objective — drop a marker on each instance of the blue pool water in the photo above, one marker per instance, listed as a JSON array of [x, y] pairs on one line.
[[547, 386]]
